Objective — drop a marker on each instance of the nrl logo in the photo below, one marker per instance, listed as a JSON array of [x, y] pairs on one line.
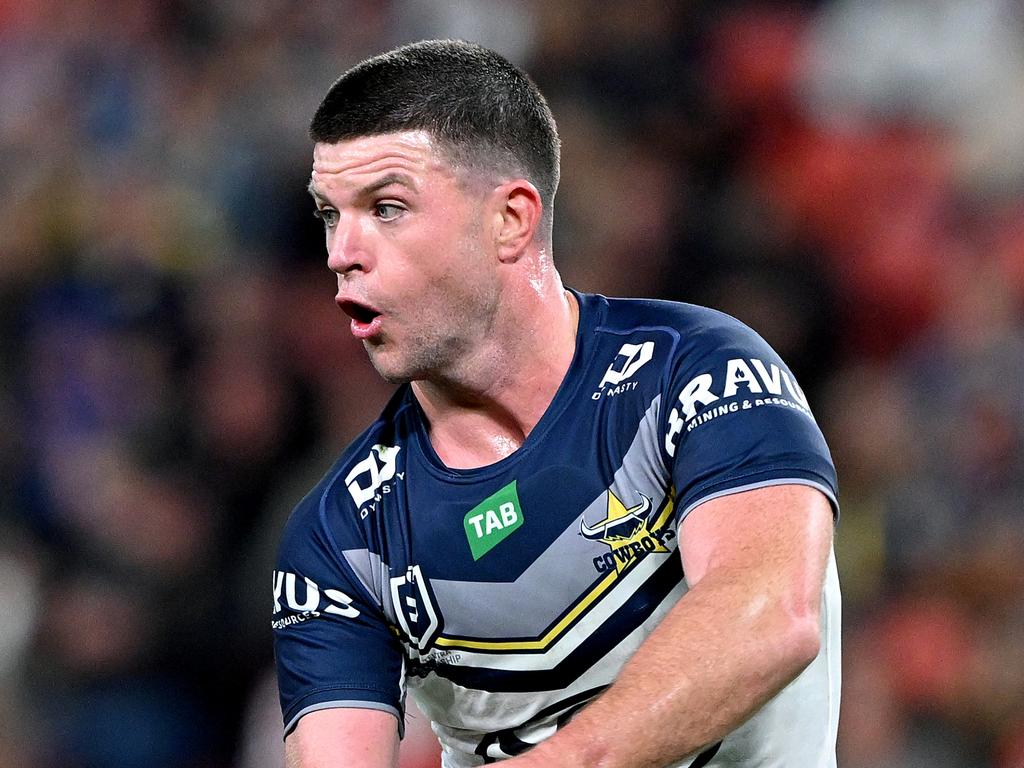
[[416, 609], [631, 533]]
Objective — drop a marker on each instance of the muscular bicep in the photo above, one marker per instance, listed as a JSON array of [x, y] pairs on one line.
[[344, 738], [775, 538]]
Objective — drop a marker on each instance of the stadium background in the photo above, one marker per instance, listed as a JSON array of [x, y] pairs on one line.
[[847, 177]]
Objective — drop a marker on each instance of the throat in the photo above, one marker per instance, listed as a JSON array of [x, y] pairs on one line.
[[480, 420], [474, 443]]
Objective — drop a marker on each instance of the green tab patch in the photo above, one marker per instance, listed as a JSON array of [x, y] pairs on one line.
[[492, 520]]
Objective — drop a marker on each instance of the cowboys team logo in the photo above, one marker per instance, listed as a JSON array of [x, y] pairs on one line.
[[415, 608], [631, 533]]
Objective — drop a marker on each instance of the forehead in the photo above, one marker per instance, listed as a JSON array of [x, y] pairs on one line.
[[357, 161]]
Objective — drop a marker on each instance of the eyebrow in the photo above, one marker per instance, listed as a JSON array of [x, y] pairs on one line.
[[312, 190], [384, 181]]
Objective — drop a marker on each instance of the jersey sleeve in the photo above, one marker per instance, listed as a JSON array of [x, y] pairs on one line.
[[332, 644], [735, 419]]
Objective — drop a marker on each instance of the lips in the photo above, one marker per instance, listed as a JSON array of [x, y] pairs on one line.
[[365, 318]]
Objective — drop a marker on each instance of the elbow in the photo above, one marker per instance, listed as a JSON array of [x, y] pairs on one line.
[[805, 642], [799, 642], [787, 631]]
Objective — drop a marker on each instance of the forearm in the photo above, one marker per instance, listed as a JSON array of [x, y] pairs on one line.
[[720, 654]]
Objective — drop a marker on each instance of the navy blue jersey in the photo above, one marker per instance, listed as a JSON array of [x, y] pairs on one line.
[[507, 597]]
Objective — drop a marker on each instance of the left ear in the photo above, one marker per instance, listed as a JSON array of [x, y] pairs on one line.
[[517, 215]]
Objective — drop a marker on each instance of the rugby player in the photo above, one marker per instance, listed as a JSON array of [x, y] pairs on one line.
[[585, 531]]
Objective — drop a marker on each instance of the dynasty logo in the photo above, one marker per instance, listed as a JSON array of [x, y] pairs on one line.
[[630, 359], [630, 533], [369, 479]]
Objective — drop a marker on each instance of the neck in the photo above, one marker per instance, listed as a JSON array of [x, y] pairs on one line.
[[487, 409]]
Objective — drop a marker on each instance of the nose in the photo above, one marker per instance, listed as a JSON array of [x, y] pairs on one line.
[[345, 246]]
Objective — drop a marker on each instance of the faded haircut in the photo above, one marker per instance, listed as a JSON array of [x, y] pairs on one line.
[[485, 113]]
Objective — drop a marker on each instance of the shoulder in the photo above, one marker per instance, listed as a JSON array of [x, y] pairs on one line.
[[693, 334], [691, 321], [334, 506]]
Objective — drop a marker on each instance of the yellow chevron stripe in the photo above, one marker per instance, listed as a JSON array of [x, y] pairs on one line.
[[556, 631], [543, 642]]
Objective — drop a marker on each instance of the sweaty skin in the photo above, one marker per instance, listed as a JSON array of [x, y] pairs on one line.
[[471, 310], [451, 286], [400, 239]]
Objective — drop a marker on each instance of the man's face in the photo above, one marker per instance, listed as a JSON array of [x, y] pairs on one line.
[[407, 239]]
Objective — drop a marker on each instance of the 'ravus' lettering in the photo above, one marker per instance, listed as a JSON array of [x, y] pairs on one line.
[[748, 376], [308, 599]]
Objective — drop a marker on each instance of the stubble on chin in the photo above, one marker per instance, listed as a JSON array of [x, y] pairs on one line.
[[387, 370], [401, 366], [428, 359], [444, 340]]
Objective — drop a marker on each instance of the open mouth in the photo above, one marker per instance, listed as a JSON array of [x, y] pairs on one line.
[[365, 319], [359, 312]]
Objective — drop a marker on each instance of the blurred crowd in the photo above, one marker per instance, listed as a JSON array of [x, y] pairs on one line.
[[847, 177]]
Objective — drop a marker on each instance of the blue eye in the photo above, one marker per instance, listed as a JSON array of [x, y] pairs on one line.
[[328, 216], [387, 211]]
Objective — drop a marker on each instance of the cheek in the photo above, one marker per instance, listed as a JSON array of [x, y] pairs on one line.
[[414, 282], [442, 256], [443, 264]]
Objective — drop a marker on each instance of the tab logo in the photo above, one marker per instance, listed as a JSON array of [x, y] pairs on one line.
[[378, 468], [633, 357], [493, 520]]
